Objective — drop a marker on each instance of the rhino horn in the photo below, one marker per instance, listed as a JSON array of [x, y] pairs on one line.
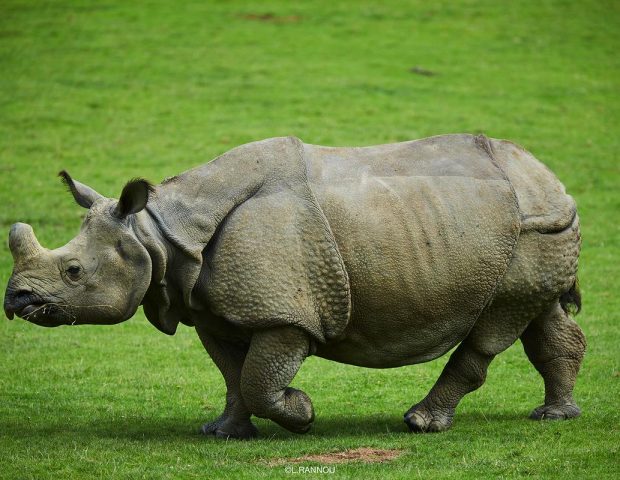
[[23, 243]]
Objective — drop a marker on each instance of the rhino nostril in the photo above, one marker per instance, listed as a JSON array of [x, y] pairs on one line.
[[15, 299], [22, 293]]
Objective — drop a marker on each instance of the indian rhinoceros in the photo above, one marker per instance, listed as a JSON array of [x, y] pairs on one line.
[[378, 256]]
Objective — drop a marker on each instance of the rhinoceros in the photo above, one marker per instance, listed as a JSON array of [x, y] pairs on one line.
[[379, 256]]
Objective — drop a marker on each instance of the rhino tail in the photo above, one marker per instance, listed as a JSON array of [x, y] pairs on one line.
[[570, 301]]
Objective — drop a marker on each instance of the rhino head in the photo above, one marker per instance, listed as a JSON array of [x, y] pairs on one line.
[[99, 277]]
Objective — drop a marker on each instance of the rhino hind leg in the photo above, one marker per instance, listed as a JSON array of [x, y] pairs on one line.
[[526, 305], [555, 345], [235, 421], [499, 326], [274, 357], [465, 372]]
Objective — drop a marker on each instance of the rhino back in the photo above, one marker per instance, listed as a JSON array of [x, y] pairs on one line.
[[426, 230]]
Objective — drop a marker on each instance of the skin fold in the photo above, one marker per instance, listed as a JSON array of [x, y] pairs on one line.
[[377, 256]]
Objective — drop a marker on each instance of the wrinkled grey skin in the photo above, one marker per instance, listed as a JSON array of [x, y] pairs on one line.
[[379, 256]]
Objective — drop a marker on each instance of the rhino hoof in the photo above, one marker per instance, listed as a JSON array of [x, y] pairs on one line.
[[420, 419], [226, 429], [555, 412]]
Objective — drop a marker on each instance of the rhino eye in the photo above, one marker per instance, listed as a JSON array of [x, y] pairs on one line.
[[74, 271]]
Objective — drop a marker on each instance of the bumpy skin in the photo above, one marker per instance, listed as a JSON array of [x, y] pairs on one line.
[[378, 256]]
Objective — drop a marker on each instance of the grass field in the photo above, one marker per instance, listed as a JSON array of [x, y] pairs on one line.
[[110, 90]]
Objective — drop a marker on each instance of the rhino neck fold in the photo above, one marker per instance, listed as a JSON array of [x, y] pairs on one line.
[[279, 212], [180, 220]]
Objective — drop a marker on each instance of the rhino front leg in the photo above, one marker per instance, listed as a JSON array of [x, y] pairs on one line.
[[465, 372], [555, 345], [234, 422], [274, 357]]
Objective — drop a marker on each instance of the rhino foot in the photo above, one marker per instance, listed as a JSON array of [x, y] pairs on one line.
[[226, 428], [299, 413], [555, 412], [422, 419]]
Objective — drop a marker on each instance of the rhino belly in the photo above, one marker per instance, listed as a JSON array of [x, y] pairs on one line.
[[424, 255]]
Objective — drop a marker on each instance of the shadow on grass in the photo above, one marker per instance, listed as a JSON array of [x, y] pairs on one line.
[[368, 425], [129, 428], [174, 429]]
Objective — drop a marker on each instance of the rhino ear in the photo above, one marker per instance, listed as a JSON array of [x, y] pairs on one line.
[[134, 197], [84, 195]]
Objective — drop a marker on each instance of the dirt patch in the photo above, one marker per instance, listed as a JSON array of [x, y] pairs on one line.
[[271, 18], [422, 71], [363, 454]]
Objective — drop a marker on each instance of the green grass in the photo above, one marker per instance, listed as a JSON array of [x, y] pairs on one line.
[[109, 91]]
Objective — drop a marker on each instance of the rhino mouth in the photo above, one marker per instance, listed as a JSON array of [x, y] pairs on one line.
[[43, 313]]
